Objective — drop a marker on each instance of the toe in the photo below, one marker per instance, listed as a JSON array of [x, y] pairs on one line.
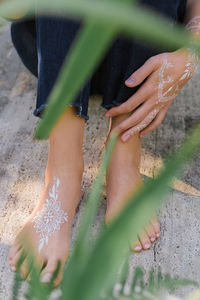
[[151, 232], [28, 263], [13, 262], [136, 246], [38, 263], [156, 226], [48, 271], [24, 269], [13, 250], [145, 241]]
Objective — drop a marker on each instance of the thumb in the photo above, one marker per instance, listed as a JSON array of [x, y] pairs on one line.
[[140, 74]]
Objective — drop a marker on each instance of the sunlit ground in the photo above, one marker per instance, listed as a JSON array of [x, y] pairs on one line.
[[15, 212], [151, 165]]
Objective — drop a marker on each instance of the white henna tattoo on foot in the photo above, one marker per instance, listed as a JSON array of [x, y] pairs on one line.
[[48, 220]]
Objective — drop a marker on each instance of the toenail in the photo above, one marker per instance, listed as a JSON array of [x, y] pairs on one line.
[[152, 239], [157, 234], [13, 268], [147, 246], [138, 248], [46, 277]]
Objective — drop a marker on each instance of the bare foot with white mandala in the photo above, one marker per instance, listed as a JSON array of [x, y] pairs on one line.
[[49, 225]]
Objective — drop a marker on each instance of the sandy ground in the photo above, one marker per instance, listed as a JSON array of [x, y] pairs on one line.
[[23, 161]]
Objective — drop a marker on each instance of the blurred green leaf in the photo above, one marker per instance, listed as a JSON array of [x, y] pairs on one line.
[[2, 22], [127, 17]]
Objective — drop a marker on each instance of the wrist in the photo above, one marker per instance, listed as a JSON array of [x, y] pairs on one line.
[[193, 26]]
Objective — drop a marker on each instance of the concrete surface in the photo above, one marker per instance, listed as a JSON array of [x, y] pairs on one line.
[[23, 160]]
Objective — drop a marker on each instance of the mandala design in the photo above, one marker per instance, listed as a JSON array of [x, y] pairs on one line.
[[49, 219]]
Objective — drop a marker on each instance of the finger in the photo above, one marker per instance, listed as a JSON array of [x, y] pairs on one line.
[[130, 122], [136, 117], [156, 122], [143, 93], [145, 122], [145, 70]]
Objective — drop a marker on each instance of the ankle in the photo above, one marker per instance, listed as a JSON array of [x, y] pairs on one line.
[[67, 158], [65, 168]]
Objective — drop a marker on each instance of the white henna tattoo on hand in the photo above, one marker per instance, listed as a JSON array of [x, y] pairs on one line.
[[163, 95], [149, 118], [190, 68]]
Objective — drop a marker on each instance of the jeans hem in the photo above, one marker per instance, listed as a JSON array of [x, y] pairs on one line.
[[38, 111]]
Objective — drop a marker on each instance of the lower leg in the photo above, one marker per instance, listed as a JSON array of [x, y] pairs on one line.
[[65, 163], [123, 178]]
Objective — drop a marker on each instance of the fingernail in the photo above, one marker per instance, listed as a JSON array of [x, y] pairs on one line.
[[13, 268], [126, 137], [131, 80], [147, 246], [138, 248], [46, 277], [152, 239]]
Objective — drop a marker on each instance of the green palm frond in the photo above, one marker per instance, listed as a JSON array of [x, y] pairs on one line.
[[151, 288]]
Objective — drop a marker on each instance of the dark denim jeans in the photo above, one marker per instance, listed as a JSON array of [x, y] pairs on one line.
[[44, 42]]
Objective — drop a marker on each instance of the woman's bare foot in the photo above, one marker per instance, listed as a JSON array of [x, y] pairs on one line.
[[48, 227], [123, 178]]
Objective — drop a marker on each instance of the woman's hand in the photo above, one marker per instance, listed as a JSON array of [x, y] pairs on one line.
[[165, 75]]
